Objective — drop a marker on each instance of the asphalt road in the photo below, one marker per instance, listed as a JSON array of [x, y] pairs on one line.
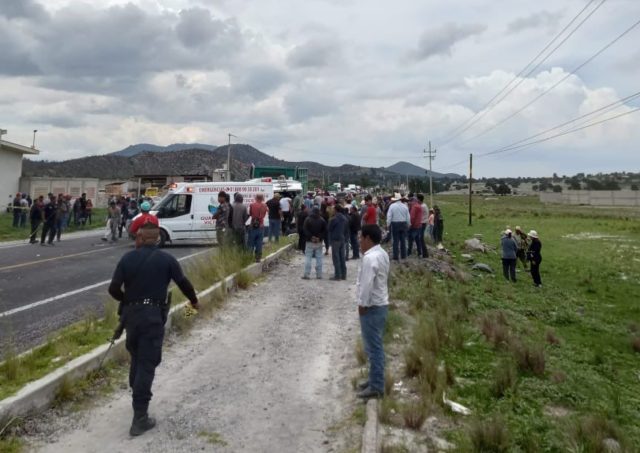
[[45, 288]]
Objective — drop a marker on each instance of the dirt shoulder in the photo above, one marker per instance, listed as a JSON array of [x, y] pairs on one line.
[[268, 373]]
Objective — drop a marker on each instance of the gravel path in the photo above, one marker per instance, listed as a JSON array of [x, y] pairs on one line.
[[268, 373]]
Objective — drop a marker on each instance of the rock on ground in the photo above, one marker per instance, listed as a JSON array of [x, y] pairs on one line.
[[268, 373], [482, 267]]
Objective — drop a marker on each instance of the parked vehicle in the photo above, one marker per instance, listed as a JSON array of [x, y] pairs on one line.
[[186, 211]]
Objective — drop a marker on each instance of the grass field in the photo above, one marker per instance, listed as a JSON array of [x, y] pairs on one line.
[[542, 369], [8, 233]]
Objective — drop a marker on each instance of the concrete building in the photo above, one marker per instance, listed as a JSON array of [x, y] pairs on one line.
[[11, 168], [42, 185]]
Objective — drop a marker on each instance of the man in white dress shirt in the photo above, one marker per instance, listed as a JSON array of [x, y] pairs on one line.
[[398, 221], [373, 304]]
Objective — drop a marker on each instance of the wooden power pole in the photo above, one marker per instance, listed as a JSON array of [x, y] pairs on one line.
[[470, 185], [430, 154]]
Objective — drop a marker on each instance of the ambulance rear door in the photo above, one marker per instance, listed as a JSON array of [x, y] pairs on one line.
[[205, 206]]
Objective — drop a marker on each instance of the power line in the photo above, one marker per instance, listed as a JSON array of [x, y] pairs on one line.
[[600, 111], [517, 145], [544, 93], [570, 131], [483, 111]]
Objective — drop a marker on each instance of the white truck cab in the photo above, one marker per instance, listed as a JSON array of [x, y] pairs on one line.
[[186, 211]]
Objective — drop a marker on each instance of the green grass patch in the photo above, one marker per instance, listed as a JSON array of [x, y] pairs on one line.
[[542, 369], [9, 233], [213, 438]]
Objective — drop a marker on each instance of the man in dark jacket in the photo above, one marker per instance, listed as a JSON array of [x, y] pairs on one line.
[[302, 216], [355, 224], [146, 273], [49, 217], [315, 230], [337, 227], [17, 210], [534, 254], [35, 216], [239, 216]]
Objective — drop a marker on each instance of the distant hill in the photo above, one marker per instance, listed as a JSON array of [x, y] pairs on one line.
[[407, 168], [197, 159], [134, 150]]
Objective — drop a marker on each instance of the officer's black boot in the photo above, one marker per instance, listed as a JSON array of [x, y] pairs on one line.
[[141, 423]]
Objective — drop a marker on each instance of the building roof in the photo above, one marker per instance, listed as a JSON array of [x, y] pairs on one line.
[[14, 147]]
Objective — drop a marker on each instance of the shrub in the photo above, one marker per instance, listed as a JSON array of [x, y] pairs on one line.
[[388, 382], [243, 279], [592, 433], [495, 329], [490, 435], [412, 362], [504, 378], [388, 408], [552, 338], [414, 414], [529, 358]]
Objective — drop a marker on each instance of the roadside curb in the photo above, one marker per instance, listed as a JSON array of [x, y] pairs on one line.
[[370, 442], [38, 395], [74, 235]]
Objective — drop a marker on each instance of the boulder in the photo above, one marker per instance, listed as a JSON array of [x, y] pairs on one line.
[[482, 267], [475, 245]]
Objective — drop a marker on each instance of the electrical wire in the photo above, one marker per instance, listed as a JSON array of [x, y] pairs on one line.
[[544, 93], [570, 131], [516, 146], [484, 110], [600, 111]]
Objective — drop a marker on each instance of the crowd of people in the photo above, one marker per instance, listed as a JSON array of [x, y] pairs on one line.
[[524, 247], [53, 214], [121, 214]]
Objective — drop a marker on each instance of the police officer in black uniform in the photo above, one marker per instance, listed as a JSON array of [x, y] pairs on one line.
[[146, 273]]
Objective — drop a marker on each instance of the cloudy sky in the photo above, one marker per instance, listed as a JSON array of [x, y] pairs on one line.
[[364, 82]]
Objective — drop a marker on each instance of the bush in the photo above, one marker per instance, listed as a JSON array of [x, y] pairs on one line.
[[529, 358], [495, 329], [490, 435], [504, 378], [593, 433], [414, 414]]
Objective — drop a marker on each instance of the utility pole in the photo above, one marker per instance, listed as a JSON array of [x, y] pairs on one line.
[[430, 154], [33, 145], [470, 184], [229, 158]]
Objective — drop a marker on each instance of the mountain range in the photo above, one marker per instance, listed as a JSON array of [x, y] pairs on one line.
[[199, 159]]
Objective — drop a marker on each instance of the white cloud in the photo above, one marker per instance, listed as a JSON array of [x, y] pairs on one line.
[[440, 40], [327, 77]]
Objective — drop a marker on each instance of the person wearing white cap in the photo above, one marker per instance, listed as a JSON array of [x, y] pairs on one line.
[[509, 251], [535, 257], [399, 220]]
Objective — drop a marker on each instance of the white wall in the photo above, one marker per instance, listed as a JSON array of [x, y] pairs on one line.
[[10, 171], [36, 186], [593, 197]]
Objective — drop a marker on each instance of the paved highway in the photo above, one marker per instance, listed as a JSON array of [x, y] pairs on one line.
[[44, 288]]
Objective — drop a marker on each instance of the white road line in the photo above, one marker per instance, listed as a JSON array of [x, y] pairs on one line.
[[75, 291]]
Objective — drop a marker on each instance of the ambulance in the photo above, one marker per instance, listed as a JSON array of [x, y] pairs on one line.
[[186, 211]]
